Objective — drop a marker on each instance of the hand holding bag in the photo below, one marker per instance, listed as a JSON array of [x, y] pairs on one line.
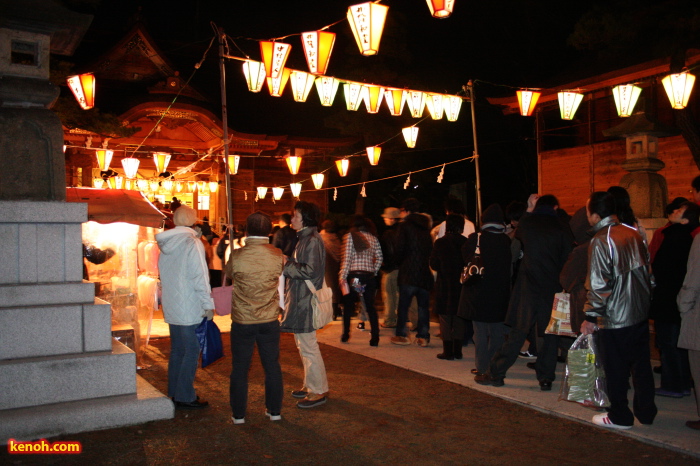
[[322, 304], [584, 378], [210, 342], [560, 321], [474, 270]]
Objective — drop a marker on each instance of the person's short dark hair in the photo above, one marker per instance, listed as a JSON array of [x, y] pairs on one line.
[[601, 203], [692, 213], [411, 205], [258, 224], [454, 223], [695, 184], [454, 206], [549, 200], [329, 226], [286, 218], [623, 205], [515, 210], [674, 204], [310, 213]]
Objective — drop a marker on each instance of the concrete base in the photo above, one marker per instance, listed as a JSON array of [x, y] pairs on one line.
[[38, 422]]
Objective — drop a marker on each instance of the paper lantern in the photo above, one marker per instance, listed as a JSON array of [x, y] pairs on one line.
[[527, 100], [295, 188], [202, 186], [111, 184], [191, 186], [293, 162], [276, 85], [678, 88], [373, 154], [131, 167], [326, 87], [233, 161], [416, 103], [98, 183], [395, 100], [301, 85], [343, 165], [83, 88], [167, 185], [372, 95], [277, 193], [451, 104], [317, 178], [274, 56], [161, 160], [435, 106], [179, 186], [213, 186], [262, 191], [129, 184], [353, 95], [317, 48], [626, 96], [254, 72], [441, 8], [568, 103], [104, 158], [153, 186], [142, 184], [367, 22], [410, 134]]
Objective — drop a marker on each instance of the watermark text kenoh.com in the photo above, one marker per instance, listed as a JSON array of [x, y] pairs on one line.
[[44, 447]]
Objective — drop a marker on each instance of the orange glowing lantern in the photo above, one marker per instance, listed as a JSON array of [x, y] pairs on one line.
[[276, 85], [372, 95], [326, 87], [83, 88], [233, 161], [293, 162], [410, 134], [213, 186], [317, 178], [441, 8], [367, 22], [343, 165], [178, 186], [161, 159], [274, 56], [131, 167], [678, 88], [98, 183], [254, 72], [104, 158], [527, 100], [167, 185], [395, 100], [317, 48], [373, 154], [191, 186]]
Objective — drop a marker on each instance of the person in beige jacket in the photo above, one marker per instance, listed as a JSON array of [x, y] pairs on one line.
[[255, 270]]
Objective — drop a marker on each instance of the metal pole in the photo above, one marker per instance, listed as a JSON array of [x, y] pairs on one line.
[[224, 124], [470, 87]]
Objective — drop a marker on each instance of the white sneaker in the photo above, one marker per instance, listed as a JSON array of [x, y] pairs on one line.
[[604, 421], [273, 417], [238, 421]]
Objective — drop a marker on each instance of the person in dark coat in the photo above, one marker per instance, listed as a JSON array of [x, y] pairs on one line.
[[485, 302], [573, 275], [669, 268], [546, 246], [446, 260], [413, 247], [285, 238]]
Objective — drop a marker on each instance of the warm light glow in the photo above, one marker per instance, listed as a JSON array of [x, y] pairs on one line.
[[167, 185], [142, 184], [435, 105], [416, 103], [83, 87], [129, 184], [118, 182], [317, 178], [626, 96], [528, 101], [276, 85], [104, 158], [318, 46], [262, 191], [373, 154], [353, 95], [191, 186], [678, 88], [343, 165], [277, 193], [410, 134], [568, 103], [367, 23], [301, 85], [274, 56], [98, 183], [161, 159], [451, 104], [395, 100], [293, 162], [441, 8], [295, 188], [254, 72], [111, 183], [233, 161], [154, 186], [179, 186], [213, 186], [326, 87], [202, 186], [372, 95], [131, 167]]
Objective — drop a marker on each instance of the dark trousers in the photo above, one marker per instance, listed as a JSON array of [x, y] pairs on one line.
[[406, 294], [452, 327], [369, 280], [243, 341], [675, 368], [505, 357], [624, 351]]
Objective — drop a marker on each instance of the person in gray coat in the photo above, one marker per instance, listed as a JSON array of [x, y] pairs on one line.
[[308, 262]]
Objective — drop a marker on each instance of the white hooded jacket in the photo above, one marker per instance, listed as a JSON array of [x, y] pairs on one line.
[[184, 276]]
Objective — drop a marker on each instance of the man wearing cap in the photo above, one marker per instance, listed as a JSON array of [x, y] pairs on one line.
[[390, 267], [184, 277]]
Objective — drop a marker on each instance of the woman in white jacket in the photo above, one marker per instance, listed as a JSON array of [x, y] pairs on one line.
[[184, 276]]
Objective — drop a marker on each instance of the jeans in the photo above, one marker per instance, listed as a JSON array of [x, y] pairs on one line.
[[182, 365], [315, 380], [370, 283], [675, 368], [390, 295], [244, 337], [488, 338], [406, 293]]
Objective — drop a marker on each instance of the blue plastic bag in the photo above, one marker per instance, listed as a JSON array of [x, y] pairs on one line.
[[210, 342]]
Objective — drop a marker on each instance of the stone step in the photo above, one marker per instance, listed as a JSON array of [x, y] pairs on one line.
[[37, 422], [58, 379]]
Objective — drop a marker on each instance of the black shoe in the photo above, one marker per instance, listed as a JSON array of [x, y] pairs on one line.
[[344, 338], [447, 351], [545, 385], [531, 365], [486, 379], [300, 393], [374, 341], [196, 404], [457, 348]]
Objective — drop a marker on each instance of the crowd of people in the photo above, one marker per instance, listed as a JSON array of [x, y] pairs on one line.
[[617, 280]]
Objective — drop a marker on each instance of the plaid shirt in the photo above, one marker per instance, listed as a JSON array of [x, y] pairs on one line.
[[369, 260]]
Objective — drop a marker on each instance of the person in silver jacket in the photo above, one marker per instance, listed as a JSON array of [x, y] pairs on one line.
[[617, 307]]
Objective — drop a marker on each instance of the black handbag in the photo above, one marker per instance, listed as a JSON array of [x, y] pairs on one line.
[[474, 270]]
